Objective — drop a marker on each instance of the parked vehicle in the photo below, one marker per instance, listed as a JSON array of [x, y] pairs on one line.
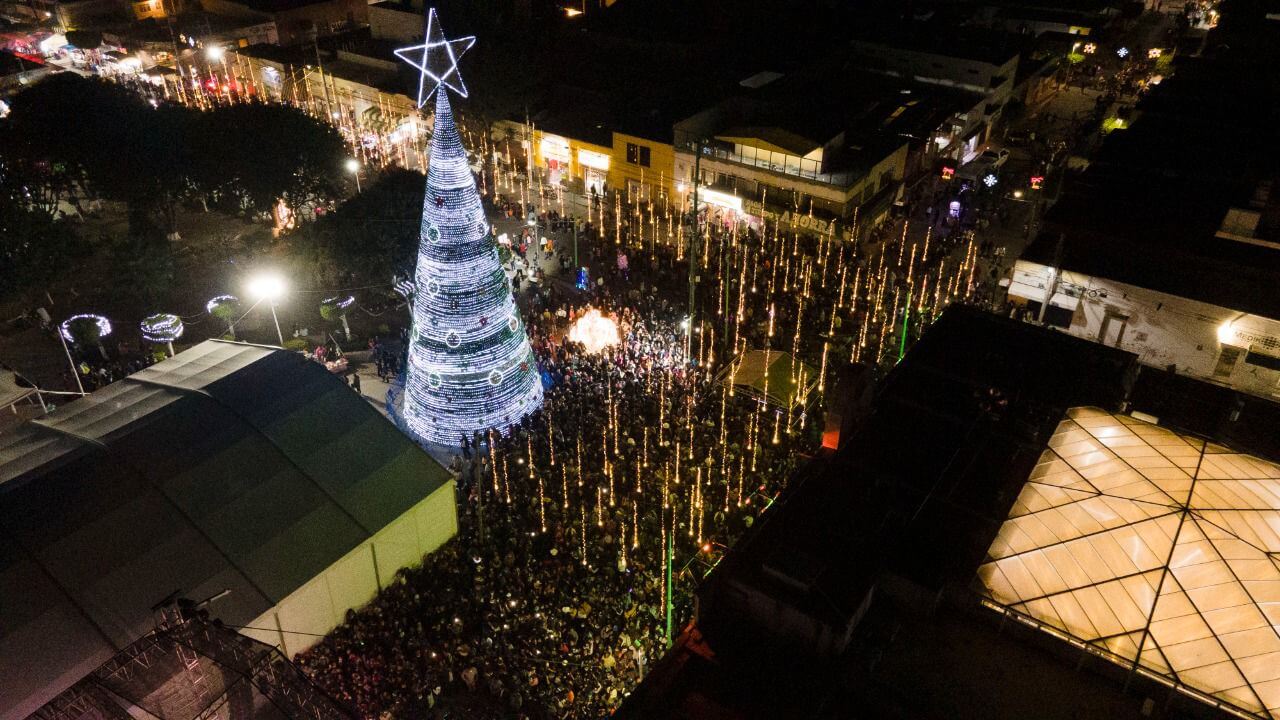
[[1020, 138], [993, 158]]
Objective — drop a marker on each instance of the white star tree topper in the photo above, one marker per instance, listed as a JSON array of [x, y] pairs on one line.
[[437, 58]]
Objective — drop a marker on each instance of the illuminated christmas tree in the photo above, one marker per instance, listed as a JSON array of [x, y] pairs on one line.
[[470, 364]]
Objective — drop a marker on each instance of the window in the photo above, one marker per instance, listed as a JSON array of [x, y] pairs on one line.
[[638, 154]]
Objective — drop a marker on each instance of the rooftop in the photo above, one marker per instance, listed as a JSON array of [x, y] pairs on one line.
[[276, 6], [228, 467], [898, 535], [875, 113], [969, 43], [1150, 209], [1153, 547]]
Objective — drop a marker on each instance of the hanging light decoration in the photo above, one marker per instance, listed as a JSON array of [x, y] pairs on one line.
[[103, 325], [225, 308], [161, 328]]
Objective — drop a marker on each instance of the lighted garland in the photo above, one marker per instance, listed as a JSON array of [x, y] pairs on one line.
[[102, 324], [470, 364], [161, 328], [336, 305], [225, 308], [219, 304]]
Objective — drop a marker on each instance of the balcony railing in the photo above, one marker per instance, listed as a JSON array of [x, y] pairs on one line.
[[808, 169]]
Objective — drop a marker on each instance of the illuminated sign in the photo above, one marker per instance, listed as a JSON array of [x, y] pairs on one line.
[[725, 200], [599, 161], [948, 172], [552, 147], [1037, 181]]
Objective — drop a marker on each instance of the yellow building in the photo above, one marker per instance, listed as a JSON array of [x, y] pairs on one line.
[[147, 9], [642, 168], [578, 164]]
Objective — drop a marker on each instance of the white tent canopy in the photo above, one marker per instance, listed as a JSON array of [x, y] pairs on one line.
[[11, 393], [1155, 549]]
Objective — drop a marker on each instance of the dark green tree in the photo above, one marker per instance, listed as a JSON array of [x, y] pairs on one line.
[[71, 136], [34, 248], [372, 235], [247, 157]]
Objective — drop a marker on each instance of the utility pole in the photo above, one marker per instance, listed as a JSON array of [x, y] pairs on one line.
[[693, 237], [667, 599], [906, 315], [75, 371]]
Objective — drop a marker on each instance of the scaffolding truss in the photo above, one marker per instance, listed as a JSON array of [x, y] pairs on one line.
[[192, 669]]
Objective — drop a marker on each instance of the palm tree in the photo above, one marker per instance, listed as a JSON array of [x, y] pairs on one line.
[[87, 331], [335, 308], [226, 308]]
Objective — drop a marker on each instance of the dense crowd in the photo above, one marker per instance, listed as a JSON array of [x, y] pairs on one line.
[[551, 601]]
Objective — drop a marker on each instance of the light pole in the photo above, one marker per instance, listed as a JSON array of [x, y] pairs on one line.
[[75, 371], [269, 287], [353, 167]]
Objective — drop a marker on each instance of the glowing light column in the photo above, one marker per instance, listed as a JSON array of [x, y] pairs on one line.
[[470, 364]]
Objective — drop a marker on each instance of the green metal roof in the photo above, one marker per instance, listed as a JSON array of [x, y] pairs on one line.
[[230, 466]]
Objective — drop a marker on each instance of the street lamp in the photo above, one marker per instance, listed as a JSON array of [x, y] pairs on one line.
[[269, 287], [353, 167], [214, 53]]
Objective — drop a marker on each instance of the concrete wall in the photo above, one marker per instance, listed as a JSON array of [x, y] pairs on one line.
[[659, 176], [1202, 340]]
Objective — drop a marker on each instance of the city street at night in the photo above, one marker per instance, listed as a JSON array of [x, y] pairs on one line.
[[519, 360]]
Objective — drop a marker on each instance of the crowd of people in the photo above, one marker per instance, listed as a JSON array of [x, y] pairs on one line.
[[551, 601]]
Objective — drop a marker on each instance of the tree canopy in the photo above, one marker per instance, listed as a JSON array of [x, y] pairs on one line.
[[374, 234], [246, 157]]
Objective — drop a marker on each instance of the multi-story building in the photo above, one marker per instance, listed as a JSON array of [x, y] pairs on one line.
[[977, 61], [570, 142], [1019, 524], [797, 151], [297, 21]]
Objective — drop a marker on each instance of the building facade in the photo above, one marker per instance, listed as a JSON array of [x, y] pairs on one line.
[[1208, 342], [561, 160], [642, 168], [297, 21]]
